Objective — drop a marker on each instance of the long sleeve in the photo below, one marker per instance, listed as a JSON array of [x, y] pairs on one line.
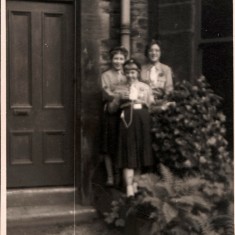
[[107, 93], [169, 80]]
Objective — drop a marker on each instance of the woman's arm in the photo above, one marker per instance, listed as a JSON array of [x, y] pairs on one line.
[[169, 81], [107, 93]]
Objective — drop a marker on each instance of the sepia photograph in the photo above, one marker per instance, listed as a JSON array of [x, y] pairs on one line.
[[117, 117]]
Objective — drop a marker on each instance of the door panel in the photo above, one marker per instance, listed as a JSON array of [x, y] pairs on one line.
[[40, 94]]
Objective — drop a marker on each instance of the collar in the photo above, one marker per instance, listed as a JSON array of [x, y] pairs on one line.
[[158, 66], [117, 71], [133, 83]]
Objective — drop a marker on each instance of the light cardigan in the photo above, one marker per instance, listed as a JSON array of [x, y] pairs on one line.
[[165, 78], [111, 79]]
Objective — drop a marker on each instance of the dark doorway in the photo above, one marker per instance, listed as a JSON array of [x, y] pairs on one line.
[[40, 93]]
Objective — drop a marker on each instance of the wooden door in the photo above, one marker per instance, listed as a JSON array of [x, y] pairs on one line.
[[40, 93]]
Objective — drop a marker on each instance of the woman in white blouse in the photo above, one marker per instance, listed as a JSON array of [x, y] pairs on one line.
[[155, 73]]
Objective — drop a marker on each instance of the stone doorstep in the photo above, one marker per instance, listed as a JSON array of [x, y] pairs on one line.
[[46, 206], [40, 196], [49, 215]]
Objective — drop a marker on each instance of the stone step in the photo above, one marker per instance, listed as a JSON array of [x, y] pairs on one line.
[[46, 206], [62, 214], [40, 196]]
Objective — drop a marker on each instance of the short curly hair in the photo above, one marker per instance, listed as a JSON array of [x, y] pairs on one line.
[[152, 42], [119, 49]]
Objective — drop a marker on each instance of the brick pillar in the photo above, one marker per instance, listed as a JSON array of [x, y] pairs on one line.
[[94, 30]]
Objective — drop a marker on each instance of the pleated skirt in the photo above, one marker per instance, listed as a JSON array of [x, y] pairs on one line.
[[110, 133], [134, 142]]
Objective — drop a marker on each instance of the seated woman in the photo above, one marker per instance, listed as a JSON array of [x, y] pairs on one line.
[[134, 143], [111, 79], [156, 74]]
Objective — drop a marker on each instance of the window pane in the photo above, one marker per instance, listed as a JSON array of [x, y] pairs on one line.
[[217, 67], [217, 18]]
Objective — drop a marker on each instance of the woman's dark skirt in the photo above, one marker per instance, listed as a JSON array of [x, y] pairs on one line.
[[134, 148], [109, 138]]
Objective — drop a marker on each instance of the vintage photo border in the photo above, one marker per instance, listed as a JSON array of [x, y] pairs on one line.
[[3, 205], [3, 118]]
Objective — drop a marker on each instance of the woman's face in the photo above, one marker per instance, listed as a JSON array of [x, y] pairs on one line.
[[132, 75], [154, 53], [118, 61]]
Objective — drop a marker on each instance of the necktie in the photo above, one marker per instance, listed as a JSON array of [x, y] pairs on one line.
[[153, 75], [119, 76]]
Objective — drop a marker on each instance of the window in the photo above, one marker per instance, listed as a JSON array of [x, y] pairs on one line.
[[216, 52]]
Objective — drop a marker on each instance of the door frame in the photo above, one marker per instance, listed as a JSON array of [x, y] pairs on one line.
[[78, 162]]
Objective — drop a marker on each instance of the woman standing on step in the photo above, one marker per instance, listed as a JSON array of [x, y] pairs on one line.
[[156, 74], [134, 143], [111, 79]]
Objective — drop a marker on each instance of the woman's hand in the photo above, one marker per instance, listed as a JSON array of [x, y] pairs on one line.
[[158, 93], [125, 95]]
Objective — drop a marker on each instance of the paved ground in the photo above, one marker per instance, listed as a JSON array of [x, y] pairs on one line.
[[98, 227]]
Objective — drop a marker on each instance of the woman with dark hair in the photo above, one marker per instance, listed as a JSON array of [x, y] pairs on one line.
[[112, 79], [134, 143], [156, 74]]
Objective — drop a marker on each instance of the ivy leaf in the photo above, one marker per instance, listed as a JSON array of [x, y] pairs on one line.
[[120, 222]]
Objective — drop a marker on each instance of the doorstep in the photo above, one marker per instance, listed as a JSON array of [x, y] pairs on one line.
[[49, 215], [46, 206]]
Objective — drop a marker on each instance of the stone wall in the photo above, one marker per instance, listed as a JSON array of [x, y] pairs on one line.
[[139, 28], [93, 29]]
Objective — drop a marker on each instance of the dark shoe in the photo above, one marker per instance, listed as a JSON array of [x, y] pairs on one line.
[[109, 182], [130, 200]]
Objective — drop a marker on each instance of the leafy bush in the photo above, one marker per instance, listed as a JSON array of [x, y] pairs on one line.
[[190, 136], [118, 214], [176, 206], [178, 203]]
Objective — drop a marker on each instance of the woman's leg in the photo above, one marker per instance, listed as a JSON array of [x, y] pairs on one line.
[[128, 175], [109, 170], [135, 184]]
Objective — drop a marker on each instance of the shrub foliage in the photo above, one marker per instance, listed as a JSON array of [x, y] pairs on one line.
[[174, 206], [190, 136]]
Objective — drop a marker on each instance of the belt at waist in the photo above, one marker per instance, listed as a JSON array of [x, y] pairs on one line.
[[134, 105]]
